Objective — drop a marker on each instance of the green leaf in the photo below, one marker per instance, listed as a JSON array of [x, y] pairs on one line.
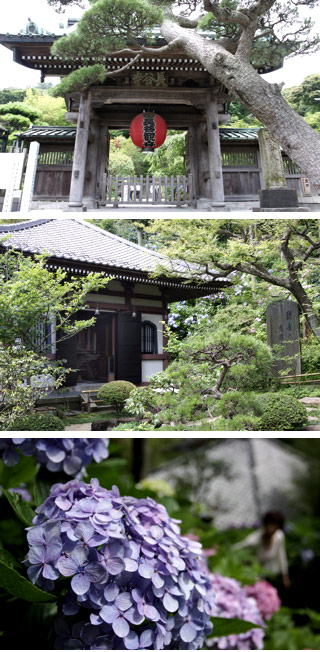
[[24, 512], [228, 626], [19, 587], [24, 471], [8, 558], [41, 491]]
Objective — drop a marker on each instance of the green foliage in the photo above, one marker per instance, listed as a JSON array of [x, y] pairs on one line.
[[189, 389], [52, 109], [169, 159], [302, 98], [30, 293], [20, 109], [229, 626], [283, 413], [236, 403], [24, 471], [143, 402], [120, 164], [80, 80], [42, 422], [116, 392], [310, 355], [19, 587], [107, 26], [14, 122], [12, 95], [238, 422], [284, 634], [24, 378], [22, 509]]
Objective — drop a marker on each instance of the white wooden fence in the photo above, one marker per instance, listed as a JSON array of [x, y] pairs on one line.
[[177, 190]]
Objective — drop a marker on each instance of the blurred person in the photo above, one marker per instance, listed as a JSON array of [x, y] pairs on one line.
[[269, 541]]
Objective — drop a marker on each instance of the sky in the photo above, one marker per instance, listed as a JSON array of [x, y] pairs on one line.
[[16, 15]]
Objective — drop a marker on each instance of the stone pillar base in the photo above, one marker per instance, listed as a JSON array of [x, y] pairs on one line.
[[278, 198], [285, 209], [206, 204], [90, 203], [76, 208]]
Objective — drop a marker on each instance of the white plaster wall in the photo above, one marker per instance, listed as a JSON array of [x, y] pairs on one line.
[[149, 368], [155, 319]]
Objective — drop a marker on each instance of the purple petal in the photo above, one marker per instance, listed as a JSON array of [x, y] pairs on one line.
[[132, 641], [188, 632], [156, 532], [145, 570], [80, 583], [151, 613], [170, 603], [55, 454], [34, 573], [72, 464], [109, 613], [157, 580], [133, 616], [63, 503], [80, 555], [111, 591], [50, 573], [67, 566], [36, 536], [84, 531], [121, 627], [146, 638], [115, 565], [131, 565], [123, 601], [53, 551], [37, 555]]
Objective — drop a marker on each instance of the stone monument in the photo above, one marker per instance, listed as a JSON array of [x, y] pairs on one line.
[[275, 194], [283, 336]]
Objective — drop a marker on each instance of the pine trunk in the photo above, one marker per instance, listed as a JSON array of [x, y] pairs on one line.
[[298, 140]]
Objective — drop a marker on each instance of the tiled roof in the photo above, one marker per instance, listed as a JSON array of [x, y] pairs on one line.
[[79, 241], [233, 133], [48, 132], [43, 133]]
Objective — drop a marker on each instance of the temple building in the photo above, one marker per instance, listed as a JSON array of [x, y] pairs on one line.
[[223, 165], [127, 341]]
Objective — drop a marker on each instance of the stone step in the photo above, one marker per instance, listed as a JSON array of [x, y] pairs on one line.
[[313, 401]]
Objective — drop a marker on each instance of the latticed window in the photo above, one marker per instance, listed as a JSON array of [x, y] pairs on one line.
[[149, 341]]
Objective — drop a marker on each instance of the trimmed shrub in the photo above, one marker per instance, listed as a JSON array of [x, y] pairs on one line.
[[116, 393], [234, 403], [282, 412], [38, 422]]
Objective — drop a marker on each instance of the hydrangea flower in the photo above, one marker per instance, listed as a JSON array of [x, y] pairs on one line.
[[136, 581], [267, 597], [61, 454], [231, 601]]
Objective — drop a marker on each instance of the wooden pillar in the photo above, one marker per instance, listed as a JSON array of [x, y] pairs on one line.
[[92, 167], [215, 167], [204, 200], [103, 162], [192, 154], [80, 153]]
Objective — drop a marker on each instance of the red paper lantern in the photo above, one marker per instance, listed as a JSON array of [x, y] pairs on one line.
[[148, 131]]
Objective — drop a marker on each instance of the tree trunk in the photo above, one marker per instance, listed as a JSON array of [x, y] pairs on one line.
[[298, 140], [306, 307]]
